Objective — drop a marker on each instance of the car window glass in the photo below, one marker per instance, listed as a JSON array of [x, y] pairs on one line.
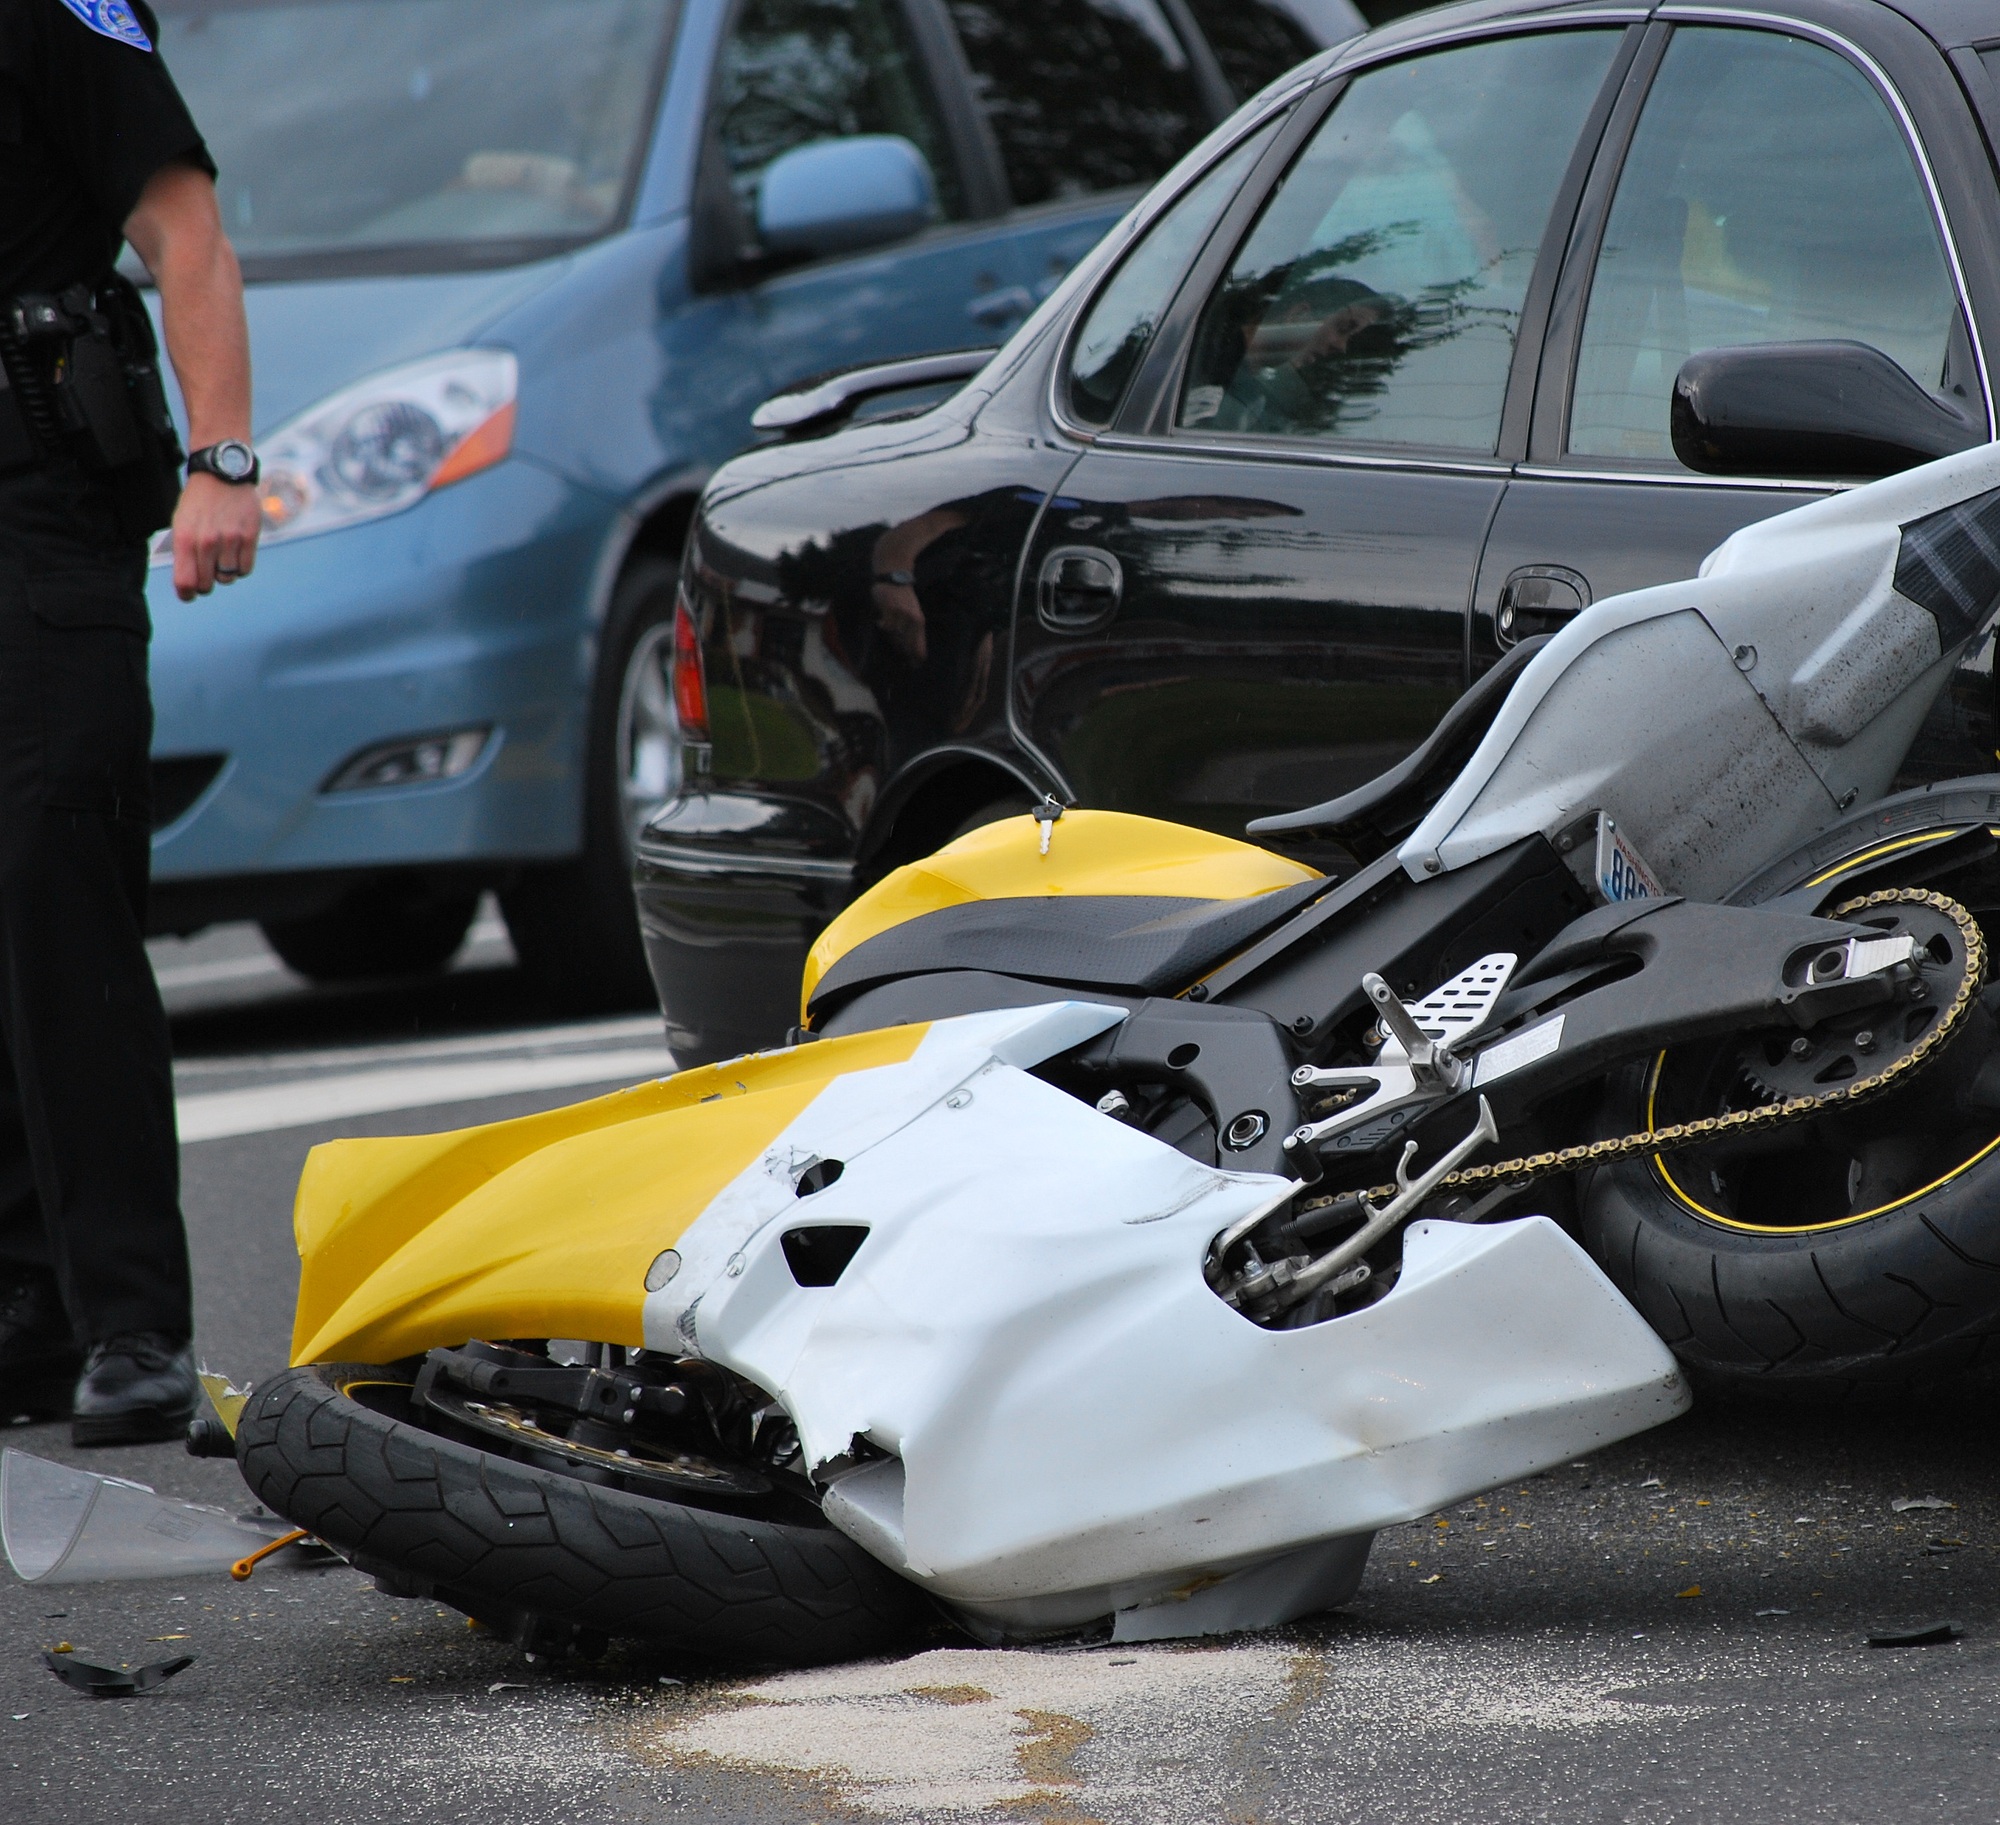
[[1255, 41], [1768, 196], [1121, 323], [1082, 95], [440, 129], [1377, 297], [796, 71]]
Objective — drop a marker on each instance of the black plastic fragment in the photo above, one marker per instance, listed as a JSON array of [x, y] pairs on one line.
[[1925, 1635], [98, 1681]]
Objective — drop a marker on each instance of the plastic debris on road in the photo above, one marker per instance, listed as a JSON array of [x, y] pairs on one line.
[[96, 1680], [1925, 1635], [61, 1525], [1904, 1503]]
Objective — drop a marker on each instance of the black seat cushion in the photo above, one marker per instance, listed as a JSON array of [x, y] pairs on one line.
[[1391, 805], [1148, 944]]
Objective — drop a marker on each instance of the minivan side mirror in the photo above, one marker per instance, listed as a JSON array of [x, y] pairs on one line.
[[1831, 408], [842, 195]]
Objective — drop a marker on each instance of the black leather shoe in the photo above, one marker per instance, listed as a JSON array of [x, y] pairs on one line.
[[135, 1387], [38, 1356]]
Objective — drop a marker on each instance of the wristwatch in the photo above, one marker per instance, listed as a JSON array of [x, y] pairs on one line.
[[228, 461]]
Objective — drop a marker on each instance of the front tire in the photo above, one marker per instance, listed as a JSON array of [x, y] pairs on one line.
[[546, 1556]]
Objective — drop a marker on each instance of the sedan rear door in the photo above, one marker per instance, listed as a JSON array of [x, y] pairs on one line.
[[1253, 590]]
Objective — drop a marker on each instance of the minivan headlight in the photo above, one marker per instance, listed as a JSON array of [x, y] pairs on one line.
[[384, 443]]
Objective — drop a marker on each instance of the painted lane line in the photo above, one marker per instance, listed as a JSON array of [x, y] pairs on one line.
[[220, 1114], [594, 1033], [229, 969]]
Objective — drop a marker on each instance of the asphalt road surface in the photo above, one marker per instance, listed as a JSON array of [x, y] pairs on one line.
[[1672, 1629]]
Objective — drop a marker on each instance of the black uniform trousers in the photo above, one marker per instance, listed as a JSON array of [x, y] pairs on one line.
[[89, 1171]]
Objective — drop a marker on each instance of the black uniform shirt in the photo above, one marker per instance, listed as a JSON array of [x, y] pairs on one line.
[[86, 117]]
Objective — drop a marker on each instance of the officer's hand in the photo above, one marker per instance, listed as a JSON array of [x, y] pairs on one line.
[[215, 535]]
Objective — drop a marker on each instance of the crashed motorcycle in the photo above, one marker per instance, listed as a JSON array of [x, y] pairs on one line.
[[1141, 1219]]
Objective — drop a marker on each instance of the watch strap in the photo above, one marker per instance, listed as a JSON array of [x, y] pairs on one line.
[[204, 462]]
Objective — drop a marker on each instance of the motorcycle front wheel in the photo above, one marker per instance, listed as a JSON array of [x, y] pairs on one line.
[[1849, 1259], [543, 1555]]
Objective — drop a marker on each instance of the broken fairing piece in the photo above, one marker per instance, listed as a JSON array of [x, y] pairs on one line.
[[96, 1680], [1925, 1635], [61, 1525], [1046, 814], [225, 1397]]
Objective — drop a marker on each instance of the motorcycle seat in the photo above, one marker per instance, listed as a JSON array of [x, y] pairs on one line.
[[1140, 944], [1392, 804]]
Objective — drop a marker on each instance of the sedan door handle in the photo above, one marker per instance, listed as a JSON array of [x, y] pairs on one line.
[[998, 306], [1538, 599], [1079, 590]]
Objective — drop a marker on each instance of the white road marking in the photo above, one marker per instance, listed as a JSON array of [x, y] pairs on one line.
[[217, 1114], [228, 969], [597, 1033]]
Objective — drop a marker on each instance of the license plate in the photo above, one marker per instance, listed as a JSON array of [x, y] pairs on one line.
[[1621, 872]]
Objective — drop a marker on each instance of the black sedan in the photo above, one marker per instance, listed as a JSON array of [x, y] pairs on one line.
[[1496, 310]]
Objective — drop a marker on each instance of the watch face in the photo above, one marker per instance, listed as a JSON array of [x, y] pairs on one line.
[[234, 460]]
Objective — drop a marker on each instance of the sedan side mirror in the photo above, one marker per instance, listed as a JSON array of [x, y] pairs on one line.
[[842, 195], [1809, 408]]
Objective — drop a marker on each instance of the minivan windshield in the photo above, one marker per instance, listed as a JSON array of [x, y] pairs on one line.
[[416, 135]]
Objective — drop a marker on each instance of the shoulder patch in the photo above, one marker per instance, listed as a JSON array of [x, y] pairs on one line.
[[112, 19]]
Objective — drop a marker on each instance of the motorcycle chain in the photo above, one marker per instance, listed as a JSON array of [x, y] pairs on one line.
[[1765, 1117]]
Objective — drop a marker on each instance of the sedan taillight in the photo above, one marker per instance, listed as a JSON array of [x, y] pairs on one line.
[[690, 689]]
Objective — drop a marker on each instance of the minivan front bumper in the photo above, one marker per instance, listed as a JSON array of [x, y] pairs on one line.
[[473, 610]]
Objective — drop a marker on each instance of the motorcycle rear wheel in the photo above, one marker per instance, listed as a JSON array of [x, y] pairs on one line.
[[1765, 1296], [549, 1559]]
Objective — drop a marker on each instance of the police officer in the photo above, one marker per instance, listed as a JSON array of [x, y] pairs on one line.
[[97, 148]]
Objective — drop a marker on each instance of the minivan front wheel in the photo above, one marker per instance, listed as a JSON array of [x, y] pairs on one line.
[[573, 923]]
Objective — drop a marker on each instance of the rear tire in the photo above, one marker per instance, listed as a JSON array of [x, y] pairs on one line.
[[1893, 1306], [574, 924], [545, 1556], [392, 926], [1871, 1309]]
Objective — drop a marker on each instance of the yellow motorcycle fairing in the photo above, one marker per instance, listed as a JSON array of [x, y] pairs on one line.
[[544, 1226], [1090, 852]]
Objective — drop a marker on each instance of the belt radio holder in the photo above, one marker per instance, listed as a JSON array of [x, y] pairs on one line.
[[80, 377]]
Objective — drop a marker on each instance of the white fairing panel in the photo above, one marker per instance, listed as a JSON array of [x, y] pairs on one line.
[[1723, 719], [1075, 1425]]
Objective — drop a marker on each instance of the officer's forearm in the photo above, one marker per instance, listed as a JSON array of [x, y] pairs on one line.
[[177, 230]]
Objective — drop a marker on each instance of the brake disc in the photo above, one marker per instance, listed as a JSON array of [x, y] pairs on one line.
[[676, 1473]]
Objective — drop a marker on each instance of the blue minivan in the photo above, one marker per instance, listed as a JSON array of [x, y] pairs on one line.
[[519, 273]]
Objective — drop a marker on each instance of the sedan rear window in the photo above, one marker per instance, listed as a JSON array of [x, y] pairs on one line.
[[1119, 329], [414, 134], [1377, 297]]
